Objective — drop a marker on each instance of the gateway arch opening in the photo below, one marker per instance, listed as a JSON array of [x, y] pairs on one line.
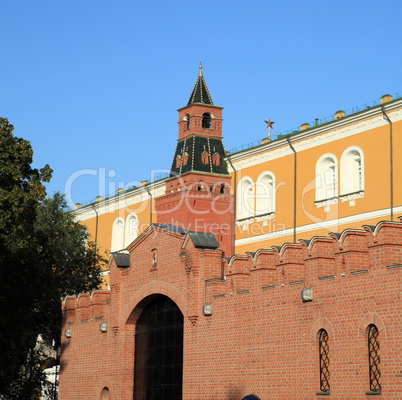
[[158, 367]]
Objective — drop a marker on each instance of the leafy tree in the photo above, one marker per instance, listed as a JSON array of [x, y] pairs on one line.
[[21, 190], [69, 261], [44, 254]]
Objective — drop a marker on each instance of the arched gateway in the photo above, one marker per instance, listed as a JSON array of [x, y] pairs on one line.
[[158, 368]]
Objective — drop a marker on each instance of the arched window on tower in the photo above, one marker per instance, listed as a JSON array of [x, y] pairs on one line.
[[117, 235], [326, 178], [187, 119], [185, 158], [265, 193], [352, 171], [206, 120], [245, 198]]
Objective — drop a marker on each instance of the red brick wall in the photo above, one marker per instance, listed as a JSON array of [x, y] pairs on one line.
[[261, 337]]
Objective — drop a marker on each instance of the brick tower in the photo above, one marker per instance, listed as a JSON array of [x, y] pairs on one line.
[[198, 194]]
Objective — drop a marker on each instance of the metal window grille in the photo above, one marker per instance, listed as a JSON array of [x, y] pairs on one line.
[[374, 359], [360, 173], [333, 181], [324, 361]]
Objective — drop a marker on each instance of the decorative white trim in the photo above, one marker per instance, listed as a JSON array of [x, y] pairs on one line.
[[121, 201], [245, 222], [326, 203], [351, 198]]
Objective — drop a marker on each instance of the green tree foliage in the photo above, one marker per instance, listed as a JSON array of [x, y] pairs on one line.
[[44, 254]]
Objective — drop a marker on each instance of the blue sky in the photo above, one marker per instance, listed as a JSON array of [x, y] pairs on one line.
[[95, 85]]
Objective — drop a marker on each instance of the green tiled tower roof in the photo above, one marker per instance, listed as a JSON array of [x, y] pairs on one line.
[[192, 148], [200, 93]]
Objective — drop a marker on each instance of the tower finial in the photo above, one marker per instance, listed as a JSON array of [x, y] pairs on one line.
[[200, 93]]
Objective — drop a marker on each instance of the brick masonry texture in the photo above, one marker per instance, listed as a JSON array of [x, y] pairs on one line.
[[261, 337]]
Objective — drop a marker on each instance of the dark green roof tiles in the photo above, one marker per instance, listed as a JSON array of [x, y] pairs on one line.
[[199, 154], [200, 93]]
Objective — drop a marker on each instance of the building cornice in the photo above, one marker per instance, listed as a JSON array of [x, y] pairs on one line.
[[121, 200], [339, 126]]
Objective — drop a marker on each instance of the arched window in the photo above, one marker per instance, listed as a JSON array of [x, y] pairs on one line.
[[352, 171], [153, 258], [185, 158], [206, 120], [374, 359], [326, 177], [187, 119], [323, 349], [105, 395], [131, 229], [265, 193], [245, 198], [117, 235], [158, 366], [199, 186]]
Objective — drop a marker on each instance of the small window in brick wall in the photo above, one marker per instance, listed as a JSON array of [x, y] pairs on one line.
[[154, 258], [374, 359], [205, 157], [216, 159], [323, 347], [105, 395]]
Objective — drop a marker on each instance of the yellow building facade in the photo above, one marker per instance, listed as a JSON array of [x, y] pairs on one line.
[[323, 178]]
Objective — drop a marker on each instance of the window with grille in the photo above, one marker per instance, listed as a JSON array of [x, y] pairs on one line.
[[245, 198], [326, 178], [374, 359], [352, 171], [323, 347], [265, 193]]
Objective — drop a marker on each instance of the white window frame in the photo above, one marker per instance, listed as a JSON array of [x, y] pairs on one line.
[[131, 231], [117, 235], [265, 189], [352, 170], [245, 202], [326, 178]]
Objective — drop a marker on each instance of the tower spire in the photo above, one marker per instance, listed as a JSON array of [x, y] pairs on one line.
[[199, 178], [200, 93]]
